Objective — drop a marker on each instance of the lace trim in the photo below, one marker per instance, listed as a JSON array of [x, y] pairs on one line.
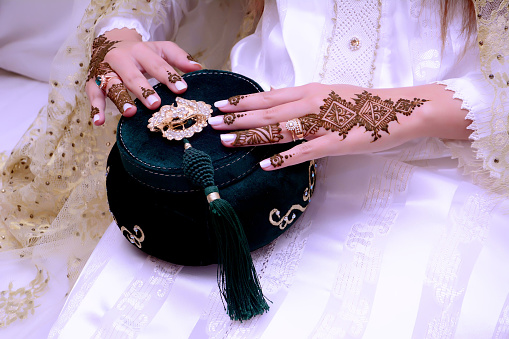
[[346, 57]]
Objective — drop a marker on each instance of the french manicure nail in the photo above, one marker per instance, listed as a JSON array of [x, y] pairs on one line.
[[227, 137], [127, 106], [265, 163], [96, 117], [151, 99], [215, 120], [194, 63], [221, 103], [180, 85]]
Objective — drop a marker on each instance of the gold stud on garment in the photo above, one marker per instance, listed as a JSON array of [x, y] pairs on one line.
[[354, 43]]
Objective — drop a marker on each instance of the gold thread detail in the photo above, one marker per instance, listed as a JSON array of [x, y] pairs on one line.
[[135, 239]]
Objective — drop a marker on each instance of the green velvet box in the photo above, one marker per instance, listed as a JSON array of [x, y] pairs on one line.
[[160, 211]]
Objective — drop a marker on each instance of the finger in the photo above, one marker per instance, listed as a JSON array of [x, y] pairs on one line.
[[306, 151], [97, 100], [176, 56], [118, 94], [256, 118], [270, 134], [157, 67], [135, 81], [262, 100]]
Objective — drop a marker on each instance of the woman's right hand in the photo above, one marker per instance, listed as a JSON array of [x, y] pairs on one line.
[[121, 57]]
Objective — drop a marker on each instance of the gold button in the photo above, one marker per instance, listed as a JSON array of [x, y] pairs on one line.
[[354, 44]]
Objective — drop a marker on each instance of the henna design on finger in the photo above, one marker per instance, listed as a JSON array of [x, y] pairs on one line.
[[93, 111], [277, 159], [269, 134], [146, 92], [229, 118], [191, 58], [173, 77], [100, 47], [371, 112], [311, 123], [234, 100], [119, 95]]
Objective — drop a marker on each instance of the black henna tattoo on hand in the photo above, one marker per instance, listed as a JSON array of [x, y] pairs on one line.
[[269, 134]]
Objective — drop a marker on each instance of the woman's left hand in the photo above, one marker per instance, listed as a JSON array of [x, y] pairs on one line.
[[336, 119]]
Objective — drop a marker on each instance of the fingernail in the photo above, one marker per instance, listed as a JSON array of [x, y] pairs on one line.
[[221, 103], [151, 99], [265, 163], [215, 120], [127, 106], [180, 85], [194, 63], [96, 118], [227, 137]]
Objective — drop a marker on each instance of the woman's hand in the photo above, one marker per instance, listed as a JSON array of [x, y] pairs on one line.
[[119, 60], [338, 119]]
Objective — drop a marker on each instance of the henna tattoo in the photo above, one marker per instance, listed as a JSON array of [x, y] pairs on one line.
[[173, 77], [146, 91], [191, 58], [229, 118], [119, 95], [93, 111], [371, 112], [100, 47], [406, 107], [263, 135], [236, 99], [311, 123], [277, 159]]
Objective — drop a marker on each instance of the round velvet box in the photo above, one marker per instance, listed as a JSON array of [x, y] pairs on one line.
[[160, 211]]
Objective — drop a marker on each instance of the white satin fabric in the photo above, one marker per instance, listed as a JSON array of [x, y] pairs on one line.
[[394, 245]]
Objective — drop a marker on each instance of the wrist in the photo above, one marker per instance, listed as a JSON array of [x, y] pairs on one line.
[[123, 34]]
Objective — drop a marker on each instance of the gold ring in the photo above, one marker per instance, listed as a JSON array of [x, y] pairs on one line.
[[295, 127], [102, 80]]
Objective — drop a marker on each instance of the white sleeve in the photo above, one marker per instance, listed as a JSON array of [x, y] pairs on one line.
[[161, 23]]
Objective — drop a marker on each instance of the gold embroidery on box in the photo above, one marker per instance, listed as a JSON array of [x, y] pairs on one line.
[[290, 216], [135, 239]]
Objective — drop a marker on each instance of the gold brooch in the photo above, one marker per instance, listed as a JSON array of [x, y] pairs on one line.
[[181, 121]]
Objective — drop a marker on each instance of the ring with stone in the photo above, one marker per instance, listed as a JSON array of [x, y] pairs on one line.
[[103, 79], [295, 127]]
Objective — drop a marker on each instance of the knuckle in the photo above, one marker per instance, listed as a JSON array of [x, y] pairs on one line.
[[306, 149], [270, 115]]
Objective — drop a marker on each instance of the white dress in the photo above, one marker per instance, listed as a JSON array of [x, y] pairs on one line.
[[398, 244]]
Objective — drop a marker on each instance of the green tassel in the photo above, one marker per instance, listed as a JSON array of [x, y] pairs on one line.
[[236, 276]]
